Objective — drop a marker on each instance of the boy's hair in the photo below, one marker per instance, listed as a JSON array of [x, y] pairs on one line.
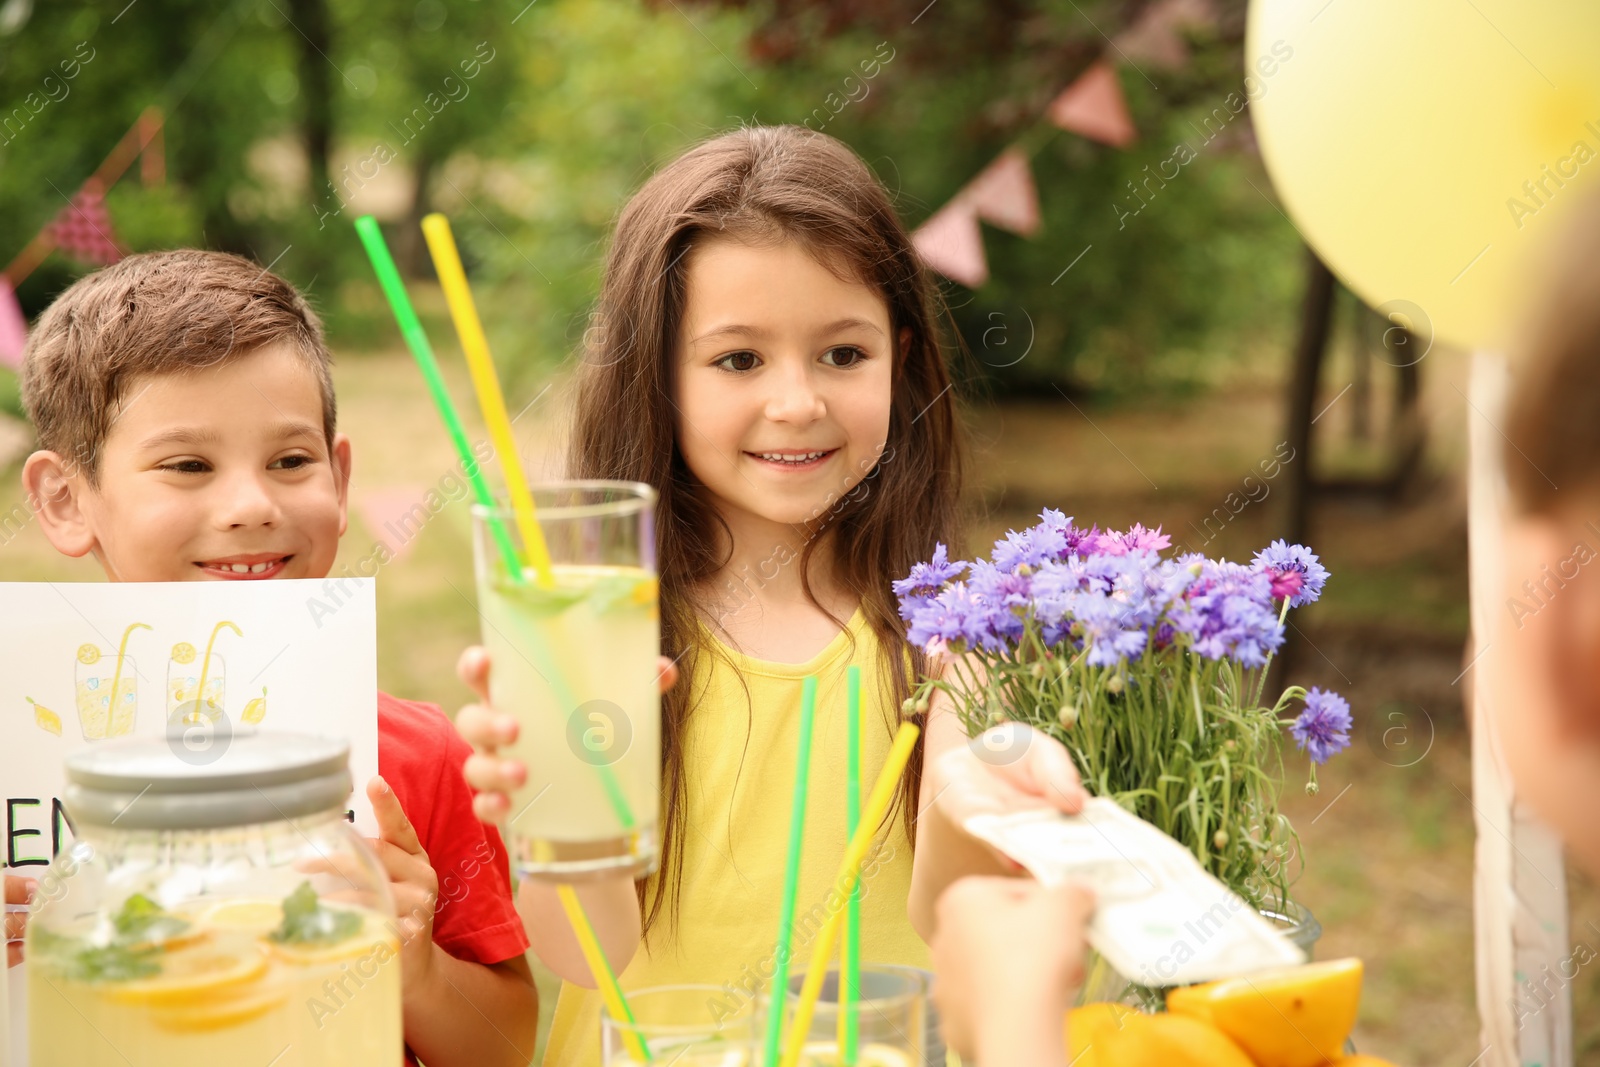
[[762, 185], [155, 313], [1553, 416]]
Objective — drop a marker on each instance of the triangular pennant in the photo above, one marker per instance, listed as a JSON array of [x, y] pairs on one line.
[[83, 228], [1004, 194], [395, 516], [13, 326], [951, 243], [152, 148], [1155, 37], [1093, 107]]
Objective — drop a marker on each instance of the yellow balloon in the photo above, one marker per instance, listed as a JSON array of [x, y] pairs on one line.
[[1430, 150]]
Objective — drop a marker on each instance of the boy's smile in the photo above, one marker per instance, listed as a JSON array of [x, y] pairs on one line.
[[221, 474]]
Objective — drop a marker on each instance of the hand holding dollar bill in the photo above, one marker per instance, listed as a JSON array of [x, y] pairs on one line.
[[1161, 919]]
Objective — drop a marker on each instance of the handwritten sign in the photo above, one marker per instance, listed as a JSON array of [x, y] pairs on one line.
[[83, 664]]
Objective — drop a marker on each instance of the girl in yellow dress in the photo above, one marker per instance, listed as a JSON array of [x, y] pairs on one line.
[[765, 354]]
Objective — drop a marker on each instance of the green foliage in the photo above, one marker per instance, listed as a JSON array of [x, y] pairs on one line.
[[530, 124]]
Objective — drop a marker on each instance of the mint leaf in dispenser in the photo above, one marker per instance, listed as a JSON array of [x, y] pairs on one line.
[[307, 922], [142, 920]]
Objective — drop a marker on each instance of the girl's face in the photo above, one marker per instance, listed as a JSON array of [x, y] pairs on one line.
[[783, 380]]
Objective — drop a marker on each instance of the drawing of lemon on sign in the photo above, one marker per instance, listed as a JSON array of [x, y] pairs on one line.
[[256, 710], [107, 694], [44, 718], [196, 695]]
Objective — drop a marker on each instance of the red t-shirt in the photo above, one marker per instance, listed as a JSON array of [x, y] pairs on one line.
[[420, 755]]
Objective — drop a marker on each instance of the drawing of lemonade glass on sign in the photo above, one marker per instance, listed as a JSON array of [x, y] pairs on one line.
[[196, 683], [106, 689]]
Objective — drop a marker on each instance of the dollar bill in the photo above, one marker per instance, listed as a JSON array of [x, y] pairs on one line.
[[1160, 918]]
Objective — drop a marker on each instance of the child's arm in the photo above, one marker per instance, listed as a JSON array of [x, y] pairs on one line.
[[19, 890], [1008, 954], [455, 1011], [1019, 769], [612, 905]]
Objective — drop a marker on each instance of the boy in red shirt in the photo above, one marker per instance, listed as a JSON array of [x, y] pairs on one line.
[[185, 415]]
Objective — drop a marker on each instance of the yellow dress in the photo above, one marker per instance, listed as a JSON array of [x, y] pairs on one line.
[[740, 765]]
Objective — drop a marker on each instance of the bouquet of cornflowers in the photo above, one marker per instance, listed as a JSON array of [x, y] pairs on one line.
[[1149, 669]]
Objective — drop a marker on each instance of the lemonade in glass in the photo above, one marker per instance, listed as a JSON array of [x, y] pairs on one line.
[[574, 659]]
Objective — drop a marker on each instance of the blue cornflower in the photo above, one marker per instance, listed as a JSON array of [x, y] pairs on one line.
[[925, 581], [1323, 728], [1032, 547], [1294, 570], [959, 618]]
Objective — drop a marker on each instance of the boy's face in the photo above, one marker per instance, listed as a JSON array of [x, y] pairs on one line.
[[221, 474], [1546, 657]]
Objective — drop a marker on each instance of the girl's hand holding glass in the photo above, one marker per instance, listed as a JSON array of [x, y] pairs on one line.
[[487, 730]]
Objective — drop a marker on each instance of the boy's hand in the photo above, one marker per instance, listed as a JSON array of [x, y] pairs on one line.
[[412, 881], [486, 729], [1008, 954], [1010, 767], [19, 890]]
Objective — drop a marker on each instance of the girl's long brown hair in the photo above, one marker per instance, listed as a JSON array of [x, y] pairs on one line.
[[757, 185]]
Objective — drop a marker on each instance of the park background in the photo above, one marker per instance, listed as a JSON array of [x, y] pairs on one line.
[[1145, 355]]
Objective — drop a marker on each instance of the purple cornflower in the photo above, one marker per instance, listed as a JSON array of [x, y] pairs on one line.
[[1323, 728], [925, 581], [1104, 627], [1228, 612], [1032, 547], [959, 618], [1295, 572]]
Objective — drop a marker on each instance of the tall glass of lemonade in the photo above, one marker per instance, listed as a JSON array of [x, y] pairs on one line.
[[573, 652]]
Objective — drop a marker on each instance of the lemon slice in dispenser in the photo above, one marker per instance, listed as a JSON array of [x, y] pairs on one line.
[[196, 972], [257, 917]]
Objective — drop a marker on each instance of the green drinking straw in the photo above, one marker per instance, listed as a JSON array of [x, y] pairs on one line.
[[850, 947], [417, 340], [791, 873], [422, 351]]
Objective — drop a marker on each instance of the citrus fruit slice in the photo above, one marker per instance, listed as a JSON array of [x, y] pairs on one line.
[[1293, 1017], [1165, 1040], [1088, 1027], [217, 1013], [369, 939], [195, 972], [250, 915], [183, 652], [88, 654]]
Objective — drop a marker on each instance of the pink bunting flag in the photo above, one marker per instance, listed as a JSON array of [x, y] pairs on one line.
[[395, 516], [1004, 194], [951, 243], [1093, 107], [13, 326], [1155, 37], [83, 228]]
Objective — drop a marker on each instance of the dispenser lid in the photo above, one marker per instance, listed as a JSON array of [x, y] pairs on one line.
[[235, 780]]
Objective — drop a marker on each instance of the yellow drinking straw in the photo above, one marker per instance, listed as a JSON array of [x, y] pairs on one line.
[[447, 264], [877, 804], [205, 665], [116, 674], [595, 957], [491, 402]]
